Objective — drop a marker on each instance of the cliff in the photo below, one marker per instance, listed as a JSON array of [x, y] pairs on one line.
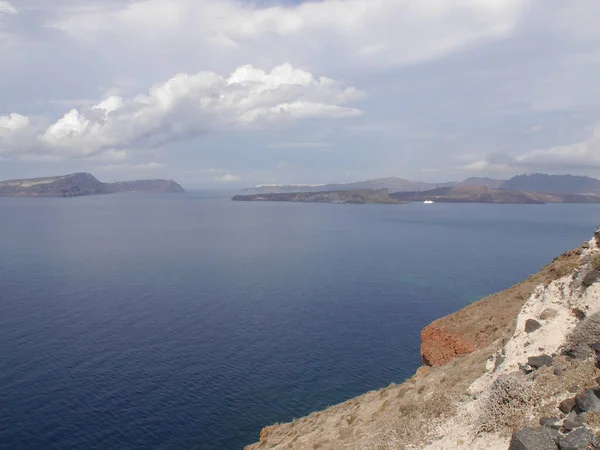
[[79, 184], [349, 196], [515, 370]]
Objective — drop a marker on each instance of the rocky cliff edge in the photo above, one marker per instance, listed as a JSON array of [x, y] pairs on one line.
[[515, 370]]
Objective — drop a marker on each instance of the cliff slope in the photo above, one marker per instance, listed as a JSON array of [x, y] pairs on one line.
[[493, 368]]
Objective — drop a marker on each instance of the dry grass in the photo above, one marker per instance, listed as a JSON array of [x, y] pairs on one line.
[[517, 400], [508, 404]]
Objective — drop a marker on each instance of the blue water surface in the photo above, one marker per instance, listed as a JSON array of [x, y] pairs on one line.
[[190, 321]]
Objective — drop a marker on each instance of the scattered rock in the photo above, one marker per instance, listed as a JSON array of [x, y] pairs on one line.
[[548, 313], [566, 406], [533, 439], [578, 313], [531, 325], [499, 360], [572, 421], [540, 361], [558, 371], [580, 439], [525, 369], [573, 389], [550, 422], [586, 244], [588, 401], [596, 347], [591, 278], [578, 351]]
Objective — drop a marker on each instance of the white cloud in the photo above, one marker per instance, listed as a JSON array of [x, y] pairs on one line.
[[184, 107], [378, 31], [579, 156], [228, 178], [7, 8], [153, 165]]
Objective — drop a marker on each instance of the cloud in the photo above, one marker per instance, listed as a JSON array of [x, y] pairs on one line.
[[7, 8], [228, 178], [153, 165], [579, 156], [376, 31], [182, 108]]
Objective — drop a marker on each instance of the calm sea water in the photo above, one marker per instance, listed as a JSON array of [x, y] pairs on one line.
[[147, 321]]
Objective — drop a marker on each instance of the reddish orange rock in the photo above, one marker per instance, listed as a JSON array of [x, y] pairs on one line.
[[439, 347]]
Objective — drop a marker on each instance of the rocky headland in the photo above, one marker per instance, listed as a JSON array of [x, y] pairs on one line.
[[517, 370], [79, 184]]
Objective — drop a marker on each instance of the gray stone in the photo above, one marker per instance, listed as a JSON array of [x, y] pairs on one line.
[[580, 439], [531, 325], [591, 278], [550, 422], [499, 360], [572, 421], [588, 400], [540, 361], [533, 439], [596, 347], [558, 371]]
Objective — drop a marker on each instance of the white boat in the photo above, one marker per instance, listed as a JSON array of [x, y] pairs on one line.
[[428, 201]]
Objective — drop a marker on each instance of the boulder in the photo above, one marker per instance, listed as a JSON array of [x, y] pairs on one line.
[[580, 439], [539, 438], [566, 406], [596, 347], [588, 400], [531, 325], [540, 361]]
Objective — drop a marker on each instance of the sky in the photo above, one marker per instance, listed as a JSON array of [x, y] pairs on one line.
[[231, 93]]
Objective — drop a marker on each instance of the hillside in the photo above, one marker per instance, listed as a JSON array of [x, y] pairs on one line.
[[481, 194], [350, 196], [554, 184], [541, 183], [392, 184], [80, 184], [515, 370]]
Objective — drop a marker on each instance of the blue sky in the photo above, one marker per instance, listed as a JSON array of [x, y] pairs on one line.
[[229, 93]]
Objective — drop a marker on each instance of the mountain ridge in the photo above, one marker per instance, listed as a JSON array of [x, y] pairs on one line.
[[544, 183]]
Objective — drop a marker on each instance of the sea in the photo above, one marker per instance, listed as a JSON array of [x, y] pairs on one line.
[[142, 321]]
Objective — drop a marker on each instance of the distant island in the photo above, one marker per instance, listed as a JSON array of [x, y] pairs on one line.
[[79, 184], [550, 184], [357, 196], [522, 189], [481, 194]]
